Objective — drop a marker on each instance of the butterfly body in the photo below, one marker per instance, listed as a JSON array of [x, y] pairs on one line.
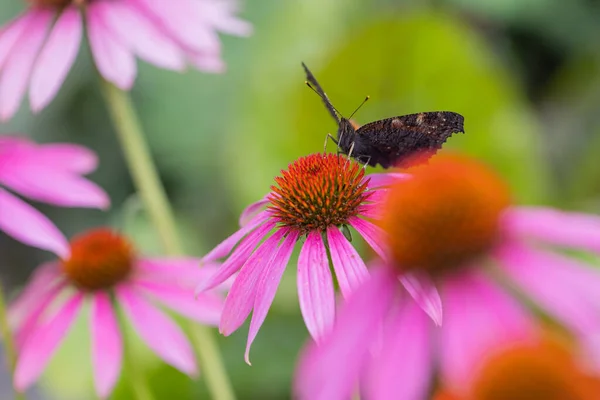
[[392, 141]]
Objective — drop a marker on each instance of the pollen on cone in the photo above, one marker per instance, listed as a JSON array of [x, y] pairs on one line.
[[445, 215]]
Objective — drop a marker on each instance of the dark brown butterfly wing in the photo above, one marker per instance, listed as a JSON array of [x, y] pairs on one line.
[[391, 141]]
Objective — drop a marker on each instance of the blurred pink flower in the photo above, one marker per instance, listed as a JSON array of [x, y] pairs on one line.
[[49, 173], [444, 228], [316, 196], [103, 269], [38, 48]]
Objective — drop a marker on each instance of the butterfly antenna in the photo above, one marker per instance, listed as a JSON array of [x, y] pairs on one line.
[[358, 108], [312, 83]]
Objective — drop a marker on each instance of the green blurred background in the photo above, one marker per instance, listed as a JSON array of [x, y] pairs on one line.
[[524, 73]]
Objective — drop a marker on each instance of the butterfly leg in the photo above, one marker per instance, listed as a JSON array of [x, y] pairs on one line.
[[350, 152], [367, 162], [330, 136]]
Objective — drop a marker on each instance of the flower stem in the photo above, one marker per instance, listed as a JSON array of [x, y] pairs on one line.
[[7, 338], [151, 191]]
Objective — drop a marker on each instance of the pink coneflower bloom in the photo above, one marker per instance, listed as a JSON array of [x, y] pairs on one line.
[[49, 173], [315, 197], [451, 228], [102, 269], [38, 48]]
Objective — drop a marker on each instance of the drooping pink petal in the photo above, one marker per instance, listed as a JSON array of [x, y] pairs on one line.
[[240, 299], [385, 179], [40, 182], [372, 234], [142, 35], [315, 286], [564, 287], [181, 20], [372, 211], [114, 60], [252, 210], [26, 224], [220, 14], [107, 347], [158, 331], [349, 267], [206, 308], [561, 228], [56, 58], [331, 369], [180, 272], [267, 286], [17, 68], [11, 33], [479, 318], [39, 348], [425, 294], [401, 368], [237, 258], [207, 62], [228, 244], [66, 156]]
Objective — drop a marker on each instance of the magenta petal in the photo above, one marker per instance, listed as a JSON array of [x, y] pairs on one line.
[[142, 35], [331, 369], [107, 349], [252, 210], [349, 267], [240, 299], [66, 156], [315, 286], [11, 33], [479, 318], [39, 348], [402, 368], [228, 244], [26, 224], [44, 277], [557, 227], [385, 179], [113, 59], [237, 258], [564, 287], [158, 331], [425, 294], [267, 287], [17, 69], [56, 58], [372, 234]]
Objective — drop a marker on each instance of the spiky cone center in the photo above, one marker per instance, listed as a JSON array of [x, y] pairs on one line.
[[57, 4], [545, 371], [99, 259], [318, 191], [445, 216]]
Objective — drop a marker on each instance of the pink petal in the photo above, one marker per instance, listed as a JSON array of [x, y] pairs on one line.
[[402, 369], [385, 179], [207, 62], [67, 156], [557, 227], [349, 267], [480, 318], [252, 210], [142, 35], [372, 234], [240, 299], [16, 71], [26, 224], [43, 183], [159, 332], [56, 58], [107, 349], [267, 286], [40, 347], [180, 272], [219, 14], [371, 211], [12, 32], [237, 258], [228, 244], [563, 286], [205, 308], [113, 59], [315, 286], [331, 369], [425, 294]]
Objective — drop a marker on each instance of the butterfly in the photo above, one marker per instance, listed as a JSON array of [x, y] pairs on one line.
[[397, 141]]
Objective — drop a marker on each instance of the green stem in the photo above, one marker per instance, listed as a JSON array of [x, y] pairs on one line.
[[151, 191], [7, 338]]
